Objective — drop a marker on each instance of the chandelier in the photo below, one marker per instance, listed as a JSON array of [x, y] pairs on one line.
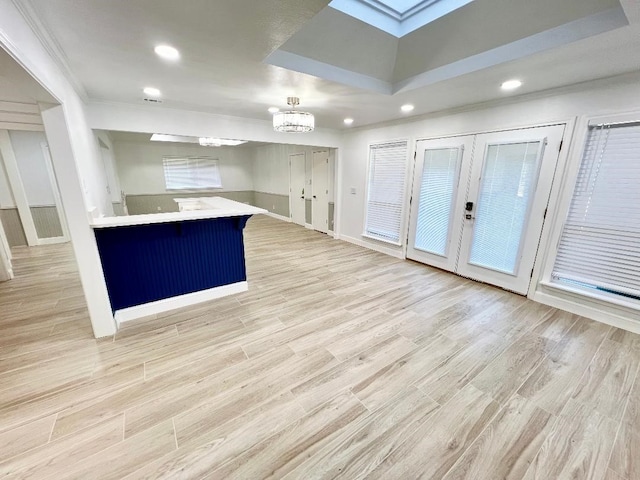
[[293, 121]]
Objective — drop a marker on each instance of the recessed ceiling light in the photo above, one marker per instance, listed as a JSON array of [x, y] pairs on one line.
[[511, 84], [151, 91], [407, 108], [348, 121], [167, 52], [274, 109]]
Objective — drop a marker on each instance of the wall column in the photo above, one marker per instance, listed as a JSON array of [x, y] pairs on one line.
[[82, 237]]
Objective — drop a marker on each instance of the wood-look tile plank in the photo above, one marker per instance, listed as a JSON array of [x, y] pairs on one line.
[[553, 381], [432, 449], [507, 446], [578, 446], [506, 373], [30, 435], [454, 373], [379, 388], [54, 459], [625, 459], [139, 450], [607, 382], [324, 386], [360, 448], [282, 452], [201, 455], [91, 411]]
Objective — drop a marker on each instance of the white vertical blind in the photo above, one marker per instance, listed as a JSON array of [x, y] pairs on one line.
[[437, 194], [191, 173], [600, 244], [386, 191], [508, 182]]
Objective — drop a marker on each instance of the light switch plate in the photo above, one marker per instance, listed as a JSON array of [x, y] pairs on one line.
[[353, 190]]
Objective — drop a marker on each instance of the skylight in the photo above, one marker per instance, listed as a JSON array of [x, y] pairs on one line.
[[398, 17]]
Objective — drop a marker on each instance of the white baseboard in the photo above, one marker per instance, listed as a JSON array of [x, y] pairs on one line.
[[586, 308], [167, 304], [52, 240], [371, 246], [278, 217], [309, 226]]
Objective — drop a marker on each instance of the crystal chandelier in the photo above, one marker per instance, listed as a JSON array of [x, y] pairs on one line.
[[293, 121]]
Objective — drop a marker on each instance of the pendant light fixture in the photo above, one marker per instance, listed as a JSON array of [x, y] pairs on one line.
[[293, 121]]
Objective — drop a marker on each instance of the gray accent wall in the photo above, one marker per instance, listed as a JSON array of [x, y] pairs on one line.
[[278, 204], [13, 227], [45, 218], [141, 204], [47, 221]]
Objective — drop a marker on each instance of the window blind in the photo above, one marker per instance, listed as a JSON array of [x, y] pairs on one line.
[[386, 191], [191, 173], [600, 244]]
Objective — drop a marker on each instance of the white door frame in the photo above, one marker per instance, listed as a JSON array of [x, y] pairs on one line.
[[320, 194], [294, 196]]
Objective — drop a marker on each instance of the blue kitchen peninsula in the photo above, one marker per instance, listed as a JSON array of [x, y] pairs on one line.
[[159, 262]]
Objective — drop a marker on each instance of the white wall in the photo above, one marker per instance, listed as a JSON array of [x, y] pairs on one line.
[[139, 165], [27, 147], [106, 149], [571, 105], [271, 167]]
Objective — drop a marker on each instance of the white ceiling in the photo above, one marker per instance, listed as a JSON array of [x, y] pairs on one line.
[[108, 45]]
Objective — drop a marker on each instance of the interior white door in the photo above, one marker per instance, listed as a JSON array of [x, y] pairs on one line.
[[320, 191], [511, 178], [296, 191], [439, 189]]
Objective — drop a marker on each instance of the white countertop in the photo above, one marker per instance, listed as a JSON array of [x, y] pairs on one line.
[[211, 207]]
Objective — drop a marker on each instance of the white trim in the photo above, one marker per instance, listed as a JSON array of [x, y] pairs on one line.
[[309, 226], [17, 187], [278, 217], [52, 240], [167, 304], [378, 248], [579, 304]]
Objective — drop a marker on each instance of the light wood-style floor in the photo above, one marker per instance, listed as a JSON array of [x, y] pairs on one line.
[[338, 363]]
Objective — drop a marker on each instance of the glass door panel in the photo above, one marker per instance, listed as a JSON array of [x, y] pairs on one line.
[[434, 229]]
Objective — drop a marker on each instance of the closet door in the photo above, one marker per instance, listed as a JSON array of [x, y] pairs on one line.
[[439, 188], [511, 179]]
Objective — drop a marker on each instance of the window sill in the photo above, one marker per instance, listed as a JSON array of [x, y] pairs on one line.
[[610, 299], [378, 239]]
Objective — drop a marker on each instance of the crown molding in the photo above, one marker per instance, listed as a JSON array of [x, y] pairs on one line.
[[50, 44]]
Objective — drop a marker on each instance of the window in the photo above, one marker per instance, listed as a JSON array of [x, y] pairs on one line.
[[600, 244], [386, 190], [191, 173]]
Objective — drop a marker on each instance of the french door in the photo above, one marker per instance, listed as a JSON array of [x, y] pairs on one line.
[[479, 203]]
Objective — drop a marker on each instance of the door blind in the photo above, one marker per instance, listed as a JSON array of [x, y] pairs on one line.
[[600, 244], [191, 173], [386, 192]]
